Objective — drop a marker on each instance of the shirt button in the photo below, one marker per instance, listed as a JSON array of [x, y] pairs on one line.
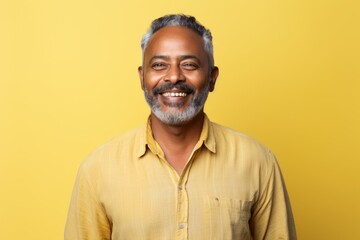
[[180, 187], [181, 225]]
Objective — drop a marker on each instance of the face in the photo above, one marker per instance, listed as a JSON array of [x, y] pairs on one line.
[[176, 76]]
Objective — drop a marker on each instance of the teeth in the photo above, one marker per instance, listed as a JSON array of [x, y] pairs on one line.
[[174, 94]]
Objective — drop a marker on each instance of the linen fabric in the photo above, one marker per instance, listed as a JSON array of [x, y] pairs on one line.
[[231, 188]]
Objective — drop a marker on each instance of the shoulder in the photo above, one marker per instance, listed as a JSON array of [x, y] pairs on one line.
[[229, 136], [111, 151], [235, 144]]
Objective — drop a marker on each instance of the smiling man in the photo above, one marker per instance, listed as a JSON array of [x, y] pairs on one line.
[[180, 176]]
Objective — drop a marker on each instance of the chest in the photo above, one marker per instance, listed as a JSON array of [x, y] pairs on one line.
[[150, 195]]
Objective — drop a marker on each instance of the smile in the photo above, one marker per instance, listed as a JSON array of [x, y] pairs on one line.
[[174, 94]]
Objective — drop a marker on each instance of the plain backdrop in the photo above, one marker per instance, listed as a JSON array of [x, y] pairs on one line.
[[289, 76]]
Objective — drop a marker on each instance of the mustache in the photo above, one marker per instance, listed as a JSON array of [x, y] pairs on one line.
[[181, 86]]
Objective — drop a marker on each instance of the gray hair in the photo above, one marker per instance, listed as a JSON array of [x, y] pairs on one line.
[[184, 21]]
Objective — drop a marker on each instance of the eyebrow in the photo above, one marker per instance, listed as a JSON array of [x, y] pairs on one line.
[[182, 57]]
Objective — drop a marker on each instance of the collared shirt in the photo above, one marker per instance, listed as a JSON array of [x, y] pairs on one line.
[[231, 188]]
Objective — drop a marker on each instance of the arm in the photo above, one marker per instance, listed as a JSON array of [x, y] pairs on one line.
[[271, 215], [86, 217]]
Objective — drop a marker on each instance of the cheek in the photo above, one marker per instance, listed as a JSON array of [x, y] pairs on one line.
[[152, 79], [199, 81]]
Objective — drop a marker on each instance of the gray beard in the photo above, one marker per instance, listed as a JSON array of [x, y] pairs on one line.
[[174, 116]]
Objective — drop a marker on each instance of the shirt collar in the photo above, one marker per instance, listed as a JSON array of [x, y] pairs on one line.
[[207, 135], [147, 140]]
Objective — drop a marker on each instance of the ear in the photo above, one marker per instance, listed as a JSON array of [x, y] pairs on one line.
[[213, 76], [141, 76]]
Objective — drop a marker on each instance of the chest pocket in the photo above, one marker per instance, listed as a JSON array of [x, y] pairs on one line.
[[229, 218]]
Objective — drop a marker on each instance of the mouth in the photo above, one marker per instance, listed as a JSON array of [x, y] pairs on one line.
[[174, 97], [178, 90]]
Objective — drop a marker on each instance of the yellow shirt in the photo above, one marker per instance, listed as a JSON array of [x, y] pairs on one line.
[[231, 188]]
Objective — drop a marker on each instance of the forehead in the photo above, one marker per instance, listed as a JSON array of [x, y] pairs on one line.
[[175, 40]]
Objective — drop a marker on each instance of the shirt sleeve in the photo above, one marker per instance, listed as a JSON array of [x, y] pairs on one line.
[[272, 215], [86, 217]]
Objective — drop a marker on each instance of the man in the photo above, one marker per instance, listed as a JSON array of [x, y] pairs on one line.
[[181, 176]]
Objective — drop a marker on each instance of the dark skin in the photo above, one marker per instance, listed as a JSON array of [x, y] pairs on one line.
[[177, 142], [177, 54]]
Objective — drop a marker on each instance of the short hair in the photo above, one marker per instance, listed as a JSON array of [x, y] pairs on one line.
[[183, 21]]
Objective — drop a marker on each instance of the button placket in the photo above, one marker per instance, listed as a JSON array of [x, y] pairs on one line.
[[183, 206], [183, 203]]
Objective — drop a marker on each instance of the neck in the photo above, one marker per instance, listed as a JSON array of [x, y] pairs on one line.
[[177, 142], [177, 137], [189, 130]]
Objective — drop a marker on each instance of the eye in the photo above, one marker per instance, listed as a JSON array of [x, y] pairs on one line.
[[190, 66], [158, 66]]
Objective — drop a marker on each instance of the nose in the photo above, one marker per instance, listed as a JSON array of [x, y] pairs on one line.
[[175, 74]]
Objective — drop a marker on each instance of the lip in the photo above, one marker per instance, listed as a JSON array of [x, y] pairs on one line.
[[174, 90], [174, 97]]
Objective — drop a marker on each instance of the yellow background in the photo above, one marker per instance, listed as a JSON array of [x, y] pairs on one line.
[[289, 76]]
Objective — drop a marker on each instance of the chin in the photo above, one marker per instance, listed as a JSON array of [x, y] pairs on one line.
[[176, 118]]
